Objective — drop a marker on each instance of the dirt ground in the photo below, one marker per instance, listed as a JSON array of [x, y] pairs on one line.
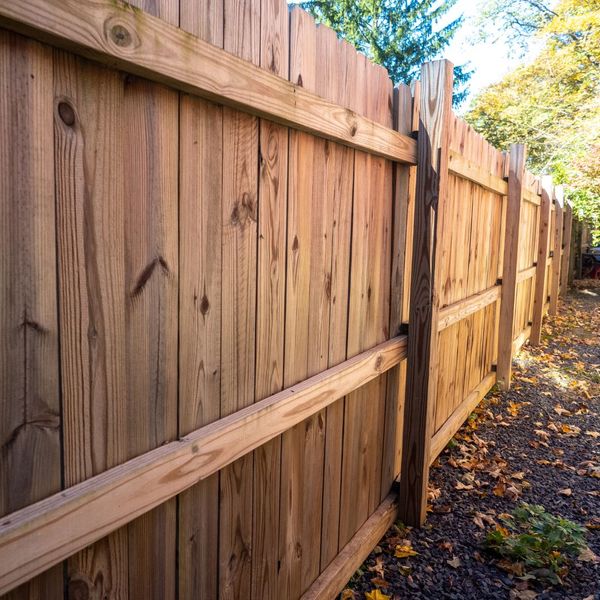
[[538, 443]]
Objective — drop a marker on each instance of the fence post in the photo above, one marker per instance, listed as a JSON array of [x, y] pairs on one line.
[[566, 257], [539, 298], [421, 380], [556, 256], [516, 171]]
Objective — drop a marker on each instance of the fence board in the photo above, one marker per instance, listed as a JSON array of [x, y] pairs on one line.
[[270, 316], [30, 421], [200, 316], [91, 256]]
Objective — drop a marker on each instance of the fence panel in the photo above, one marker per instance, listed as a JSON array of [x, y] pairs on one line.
[[210, 229]]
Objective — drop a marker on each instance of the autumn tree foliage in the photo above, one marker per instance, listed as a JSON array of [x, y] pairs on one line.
[[552, 103]]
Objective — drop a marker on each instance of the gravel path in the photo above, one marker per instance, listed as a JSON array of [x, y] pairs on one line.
[[537, 443]]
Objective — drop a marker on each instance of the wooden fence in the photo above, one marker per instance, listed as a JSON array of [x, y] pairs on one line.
[[239, 299]]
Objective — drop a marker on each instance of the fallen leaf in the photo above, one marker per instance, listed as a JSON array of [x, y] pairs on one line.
[[347, 594], [446, 546], [404, 552], [455, 562], [377, 595], [461, 486], [562, 411], [593, 434], [522, 595], [379, 582], [565, 492], [586, 555]]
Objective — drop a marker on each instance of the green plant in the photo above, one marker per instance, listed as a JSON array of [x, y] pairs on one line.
[[538, 543]]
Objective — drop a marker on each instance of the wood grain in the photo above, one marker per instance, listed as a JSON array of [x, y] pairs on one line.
[[557, 247], [241, 37], [40, 535], [111, 32], [270, 310], [539, 299], [510, 264], [200, 230], [30, 461], [432, 178], [91, 256]]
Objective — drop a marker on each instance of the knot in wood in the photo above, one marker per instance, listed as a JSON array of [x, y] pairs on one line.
[[120, 36], [66, 113]]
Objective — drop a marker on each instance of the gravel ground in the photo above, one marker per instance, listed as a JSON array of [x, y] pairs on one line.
[[538, 444]]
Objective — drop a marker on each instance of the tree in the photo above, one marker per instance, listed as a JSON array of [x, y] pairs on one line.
[[515, 21], [553, 105], [398, 34]]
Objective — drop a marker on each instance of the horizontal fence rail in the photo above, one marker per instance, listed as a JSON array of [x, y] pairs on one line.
[[121, 36], [43, 534], [250, 287]]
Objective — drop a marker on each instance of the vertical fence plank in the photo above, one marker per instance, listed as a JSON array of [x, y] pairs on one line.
[[30, 461], [241, 37], [151, 121], [510, 263], [200, 228], [336, 85], [539, 299], [432, 180], [91, 256], [270, 313], [392, 454], [151, 270], [566, 244], [557, 246], [369, 315]]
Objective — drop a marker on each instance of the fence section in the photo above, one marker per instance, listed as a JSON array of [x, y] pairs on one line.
[[211, 216]]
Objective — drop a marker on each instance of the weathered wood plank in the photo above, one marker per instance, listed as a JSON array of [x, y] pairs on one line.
[[557, 246], [459, 310], [150, 154], [461, 166], [368, 321], [564, 267], [392, 444], [30, 461], [200, 230], [117, 34], [91, 256], [151, 221], [40, 535], [270, 313], [510, 263], [539, 299], [422, 374], [241, 37]]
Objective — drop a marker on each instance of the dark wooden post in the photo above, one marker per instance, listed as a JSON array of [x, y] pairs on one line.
[[516, 171], [565, 262], [539, 298], [421, 383], [556, 257]]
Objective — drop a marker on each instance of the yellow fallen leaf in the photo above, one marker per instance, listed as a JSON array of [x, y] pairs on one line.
[[593, 434], [377, 595], [404, 552]]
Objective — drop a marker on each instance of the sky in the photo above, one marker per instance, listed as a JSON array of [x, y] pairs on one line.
[[488, 61]]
